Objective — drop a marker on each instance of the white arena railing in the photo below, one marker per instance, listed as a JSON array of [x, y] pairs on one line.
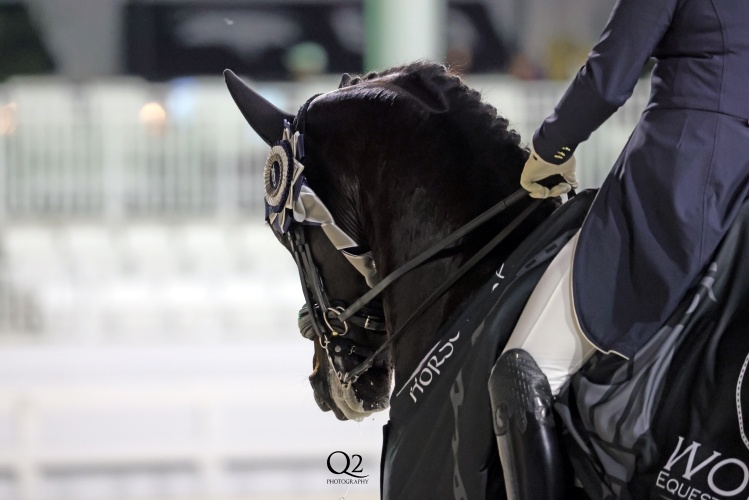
[[125, 148], [148, 346]]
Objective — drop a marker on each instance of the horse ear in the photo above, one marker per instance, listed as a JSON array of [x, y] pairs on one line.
[[423, 91], [263, 117]]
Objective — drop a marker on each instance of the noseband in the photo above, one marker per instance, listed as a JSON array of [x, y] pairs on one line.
[[330, 320], [319, 311]]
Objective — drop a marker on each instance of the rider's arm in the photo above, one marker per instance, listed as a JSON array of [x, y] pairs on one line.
[[608, 77]]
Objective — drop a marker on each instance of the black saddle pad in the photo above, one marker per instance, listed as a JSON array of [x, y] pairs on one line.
[[672, 422], [439, 442]]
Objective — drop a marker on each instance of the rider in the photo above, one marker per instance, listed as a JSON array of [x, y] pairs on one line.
[[657, 219]]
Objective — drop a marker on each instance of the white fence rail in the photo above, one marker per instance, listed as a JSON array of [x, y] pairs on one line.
[[144, 283], [126, 148]]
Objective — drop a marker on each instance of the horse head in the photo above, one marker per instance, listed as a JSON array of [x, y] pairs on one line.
[[396, 161], [342, 283]]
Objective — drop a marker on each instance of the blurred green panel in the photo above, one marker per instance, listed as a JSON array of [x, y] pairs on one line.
[[374, 30], [400, 32]]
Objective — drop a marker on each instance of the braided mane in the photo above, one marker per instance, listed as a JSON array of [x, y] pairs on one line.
[[488, 133]]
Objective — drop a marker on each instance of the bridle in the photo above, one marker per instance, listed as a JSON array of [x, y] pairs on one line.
[[324, 314], [318, 305], [330, 319]]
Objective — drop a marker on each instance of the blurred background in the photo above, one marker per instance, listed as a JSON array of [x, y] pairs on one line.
[[148, 340]]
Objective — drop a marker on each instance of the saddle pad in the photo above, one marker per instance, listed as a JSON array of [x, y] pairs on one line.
[[672, 421], [439, 442]]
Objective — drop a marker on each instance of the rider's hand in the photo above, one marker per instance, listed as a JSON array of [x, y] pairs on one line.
[[536, 169]]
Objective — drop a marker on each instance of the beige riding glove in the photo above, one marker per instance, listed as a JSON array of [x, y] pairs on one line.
[[537, 169]]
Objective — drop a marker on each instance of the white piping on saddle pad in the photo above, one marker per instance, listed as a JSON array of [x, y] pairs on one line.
[[310, 209], [738, 401]]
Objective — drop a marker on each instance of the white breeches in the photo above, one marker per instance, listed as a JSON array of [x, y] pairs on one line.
[[548, 328]]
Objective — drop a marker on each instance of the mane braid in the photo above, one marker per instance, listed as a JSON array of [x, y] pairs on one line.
[[479, 122], [487, 156], [300, 120]]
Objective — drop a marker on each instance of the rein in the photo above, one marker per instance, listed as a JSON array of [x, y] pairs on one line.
[[310, 276], [353, 375], [431, 252]]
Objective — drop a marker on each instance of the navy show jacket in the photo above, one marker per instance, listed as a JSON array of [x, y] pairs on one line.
[[680, 180]]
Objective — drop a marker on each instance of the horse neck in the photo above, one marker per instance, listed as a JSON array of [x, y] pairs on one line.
[[406, 218]]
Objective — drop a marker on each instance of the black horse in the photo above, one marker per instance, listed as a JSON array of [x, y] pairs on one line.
[[402, 159]]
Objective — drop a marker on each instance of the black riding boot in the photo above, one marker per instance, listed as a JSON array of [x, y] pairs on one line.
[[528, 444]]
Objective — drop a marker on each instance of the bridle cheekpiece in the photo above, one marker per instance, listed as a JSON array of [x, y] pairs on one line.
[[290, 206]]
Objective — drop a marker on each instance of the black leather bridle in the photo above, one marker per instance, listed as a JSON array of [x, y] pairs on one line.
[[322, 314], [330, 318]]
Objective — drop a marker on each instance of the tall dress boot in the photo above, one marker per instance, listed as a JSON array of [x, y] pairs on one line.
[[529, 447]]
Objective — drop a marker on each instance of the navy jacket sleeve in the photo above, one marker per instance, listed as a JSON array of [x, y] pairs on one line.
[[609, 76]]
